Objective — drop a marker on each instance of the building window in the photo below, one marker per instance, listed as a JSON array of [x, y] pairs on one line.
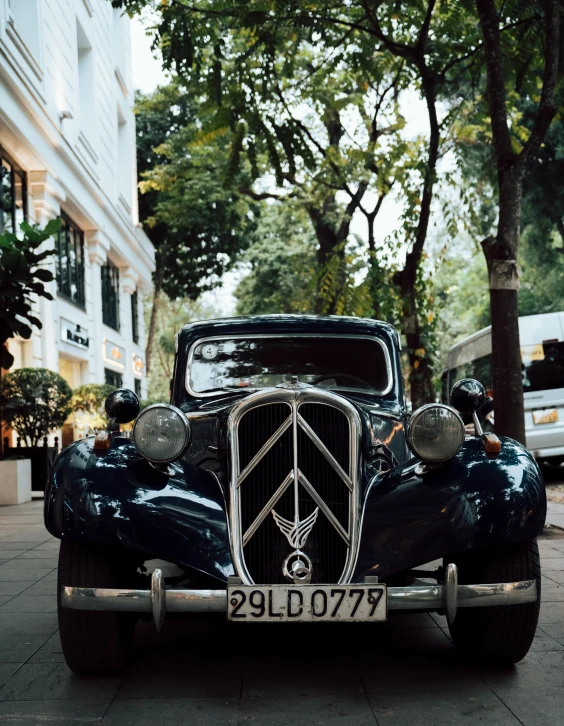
[[13, 195], [110, 295], [86, 89], [69, 246], [25, 14], [134, 318], [112, 378], [137, 384]]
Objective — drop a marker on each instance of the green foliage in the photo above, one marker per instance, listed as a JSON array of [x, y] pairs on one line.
[[282, 262], [34, 402], [197, 225], [88, 405], [22, 278], [171, 316]]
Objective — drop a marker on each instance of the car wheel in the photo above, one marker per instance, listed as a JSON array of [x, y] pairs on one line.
[[95, 642], [499, 635]]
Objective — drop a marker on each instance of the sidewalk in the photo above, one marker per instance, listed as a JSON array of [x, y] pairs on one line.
[[204, 673]]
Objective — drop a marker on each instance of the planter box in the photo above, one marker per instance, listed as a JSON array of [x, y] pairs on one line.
[[15, 481]]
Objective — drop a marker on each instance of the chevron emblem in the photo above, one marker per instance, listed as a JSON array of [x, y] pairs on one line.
[[296, 532]]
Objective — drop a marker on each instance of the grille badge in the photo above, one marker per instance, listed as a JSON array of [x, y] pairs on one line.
[[297, 531]]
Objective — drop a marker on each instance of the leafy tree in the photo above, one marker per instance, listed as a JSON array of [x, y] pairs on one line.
[[310, 92], [512, 112], [34, 402], [22, 278], [171, 317], [197, 226], [88, 405]]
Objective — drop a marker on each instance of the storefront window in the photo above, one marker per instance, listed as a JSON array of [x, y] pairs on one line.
[[13, 195], [110, 295], [70, 262]]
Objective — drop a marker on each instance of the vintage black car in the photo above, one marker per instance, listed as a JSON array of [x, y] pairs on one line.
[[285, 481]]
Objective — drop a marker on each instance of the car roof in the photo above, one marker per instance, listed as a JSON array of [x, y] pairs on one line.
[[273, 324]]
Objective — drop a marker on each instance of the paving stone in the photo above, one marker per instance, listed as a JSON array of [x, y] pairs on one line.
[[546, 707], [470, 705], [552, 593], [25, 623], [177, 711], [43, 587], [14, 588], [53, 544], [17, 648], [543, 641], [306, 711], [54, 681], [50, 652], [37, 554], [18, 546], [30, 604], [537, 671], [437, 674], [7, 670], [58, 713], [6, 554], [301, 677], [551, 612], [555, 630], [222, 681], [555, 575], [13, 571]]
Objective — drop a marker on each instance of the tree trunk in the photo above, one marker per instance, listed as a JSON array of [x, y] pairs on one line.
[[153, 320], [501, 256], [420, 373]]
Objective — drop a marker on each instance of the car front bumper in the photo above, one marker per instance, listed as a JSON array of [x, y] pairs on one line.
[[158, 600]]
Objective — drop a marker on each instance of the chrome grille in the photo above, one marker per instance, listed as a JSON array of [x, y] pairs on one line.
[[294, 449]]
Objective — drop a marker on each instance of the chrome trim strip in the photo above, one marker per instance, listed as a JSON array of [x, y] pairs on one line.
[[324, 508], [413, 597], [264, 450], [158, 598], [294, 396], [265, 511], [450, 592], [199, 341], [325, 451]]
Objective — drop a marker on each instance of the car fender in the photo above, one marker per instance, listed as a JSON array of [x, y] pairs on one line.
[[412, 516], [116, 498]]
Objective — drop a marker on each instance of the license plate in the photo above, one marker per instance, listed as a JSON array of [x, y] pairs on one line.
[[306, 603], [546, 416]]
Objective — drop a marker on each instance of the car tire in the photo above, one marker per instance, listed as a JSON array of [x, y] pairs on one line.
[[499, 635], [94, 642]]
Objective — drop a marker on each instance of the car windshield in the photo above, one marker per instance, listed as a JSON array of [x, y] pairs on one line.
[[328, 362]]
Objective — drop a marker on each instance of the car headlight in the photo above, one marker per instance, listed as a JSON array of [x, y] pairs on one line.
[[435, 432], [161, 433]]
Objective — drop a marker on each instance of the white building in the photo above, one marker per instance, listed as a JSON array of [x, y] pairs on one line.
[[67, 149]]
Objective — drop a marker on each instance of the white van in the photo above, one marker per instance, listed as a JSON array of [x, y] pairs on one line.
[[542, 355]]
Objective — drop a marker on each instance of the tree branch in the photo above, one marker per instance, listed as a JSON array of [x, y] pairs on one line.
[[489, 21], [546, 109]]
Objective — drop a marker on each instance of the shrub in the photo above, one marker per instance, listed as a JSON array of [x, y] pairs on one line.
[[88, 404], [34, 402]]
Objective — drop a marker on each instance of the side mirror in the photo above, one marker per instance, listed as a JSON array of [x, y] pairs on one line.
[[467, 395], [122, 405]]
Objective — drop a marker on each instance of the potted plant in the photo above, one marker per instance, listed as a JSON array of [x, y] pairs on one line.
[[34, 402]]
